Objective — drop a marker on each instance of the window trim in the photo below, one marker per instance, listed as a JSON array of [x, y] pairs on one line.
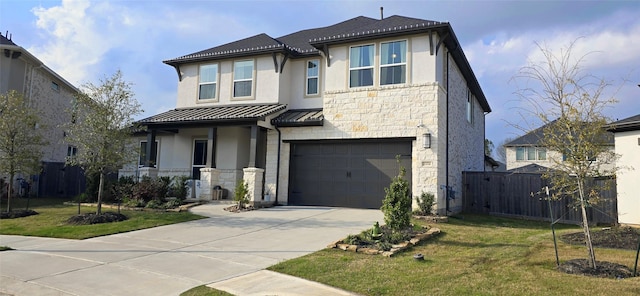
[[405, 63], [253, 76], [141, 154], [216, 82], [372, 67], [317, 77]]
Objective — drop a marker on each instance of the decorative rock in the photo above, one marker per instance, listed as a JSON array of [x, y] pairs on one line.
[[352, 248], [343, 246], [387, 253]]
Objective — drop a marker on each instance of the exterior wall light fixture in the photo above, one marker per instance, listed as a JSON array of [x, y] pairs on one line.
[[426, 140]]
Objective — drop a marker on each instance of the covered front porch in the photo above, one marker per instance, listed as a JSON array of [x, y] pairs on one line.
[[216, 147]]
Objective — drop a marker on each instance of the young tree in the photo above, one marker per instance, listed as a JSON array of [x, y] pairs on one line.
[[488, 147], [501, 151], [21, 140], [101, 128], [570, 104]]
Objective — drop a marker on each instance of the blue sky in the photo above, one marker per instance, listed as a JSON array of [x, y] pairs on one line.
[[85, 40]]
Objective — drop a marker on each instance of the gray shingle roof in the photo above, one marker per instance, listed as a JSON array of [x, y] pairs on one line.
[[300, 43], [308, 117], [628, 124], [214, 114], [533, 138]]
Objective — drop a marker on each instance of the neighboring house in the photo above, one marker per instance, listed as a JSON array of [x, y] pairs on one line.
[[527, 150], [319, 116], [51, 95], [627, 141], [492, 165]]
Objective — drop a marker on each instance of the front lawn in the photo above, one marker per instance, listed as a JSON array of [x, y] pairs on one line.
[[477, 255], [53, 214]]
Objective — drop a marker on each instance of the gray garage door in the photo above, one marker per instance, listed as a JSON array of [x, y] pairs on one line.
[[345, 174]]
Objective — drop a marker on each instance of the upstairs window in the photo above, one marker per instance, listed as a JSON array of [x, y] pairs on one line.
[[393, 62], [242, 78], [361, 65], [531, 153], [313, 75], [55, 86], [208, 82], [469, 106]]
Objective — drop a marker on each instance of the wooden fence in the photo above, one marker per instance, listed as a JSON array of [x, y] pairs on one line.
[[517, 195]]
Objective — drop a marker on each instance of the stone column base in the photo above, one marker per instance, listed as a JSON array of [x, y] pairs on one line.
[[209, 177], [254, 179], [148, 172]]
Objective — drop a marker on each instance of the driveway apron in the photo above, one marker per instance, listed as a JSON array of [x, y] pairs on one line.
[[171, 259]]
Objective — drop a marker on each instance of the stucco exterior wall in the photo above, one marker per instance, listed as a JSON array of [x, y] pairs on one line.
[[266, 84], [628, 185]]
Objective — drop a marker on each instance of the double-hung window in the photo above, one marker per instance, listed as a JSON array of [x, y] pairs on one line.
[[393, 62], [208, 82], [242, 78], [361, 65], [313, 75]]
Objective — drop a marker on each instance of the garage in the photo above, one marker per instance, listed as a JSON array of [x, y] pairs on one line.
[[350, 173]]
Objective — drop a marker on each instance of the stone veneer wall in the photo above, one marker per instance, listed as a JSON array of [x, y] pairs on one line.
[[377, 112]]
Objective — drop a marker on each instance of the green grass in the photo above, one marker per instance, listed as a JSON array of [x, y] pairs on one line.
[[204, 291], [50, 222], [477, 255]]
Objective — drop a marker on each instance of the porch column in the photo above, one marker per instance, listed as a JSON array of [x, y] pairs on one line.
[[150, 153], [211, 149], [254, 179], [253, 146]]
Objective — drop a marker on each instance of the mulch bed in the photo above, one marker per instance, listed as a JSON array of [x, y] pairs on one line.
[[17, 214], [93, 218], [614, 237]]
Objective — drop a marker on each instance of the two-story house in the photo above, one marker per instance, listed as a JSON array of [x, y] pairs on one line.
[[51, 96], [627, 140], [527, 154], [323, 116]]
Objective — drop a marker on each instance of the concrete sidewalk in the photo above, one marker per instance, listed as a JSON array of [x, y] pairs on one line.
[[227, 251]]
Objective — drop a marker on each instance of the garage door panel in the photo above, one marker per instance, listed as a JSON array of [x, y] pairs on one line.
[[349, 174]]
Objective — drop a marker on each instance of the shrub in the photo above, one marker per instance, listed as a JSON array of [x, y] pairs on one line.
[[396, 205], [164, 185], [242, 193], [425, 203], [147, 189], [172, 204], [155, 204], [132, 202], [123, 188], [179, 187]]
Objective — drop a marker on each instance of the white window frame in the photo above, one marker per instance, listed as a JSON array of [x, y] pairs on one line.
[[309, 77], [527, 150], [360, 68], [236, 80], [405, 54], [202, 83]]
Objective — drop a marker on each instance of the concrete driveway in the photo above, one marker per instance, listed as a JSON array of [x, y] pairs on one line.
[[221, 250]]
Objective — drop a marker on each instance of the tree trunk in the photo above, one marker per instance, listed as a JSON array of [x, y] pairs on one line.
[[585, 226], [101, 184], [9, 192]]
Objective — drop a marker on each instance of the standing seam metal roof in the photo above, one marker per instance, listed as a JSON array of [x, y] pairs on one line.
[[218, 113]]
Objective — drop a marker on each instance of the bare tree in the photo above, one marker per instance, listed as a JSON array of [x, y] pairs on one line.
[[569, 103], [21, 140], [501, 150], [101, 128]]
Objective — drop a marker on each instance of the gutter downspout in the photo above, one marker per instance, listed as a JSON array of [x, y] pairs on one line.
[[446, 185], [275, 202]]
